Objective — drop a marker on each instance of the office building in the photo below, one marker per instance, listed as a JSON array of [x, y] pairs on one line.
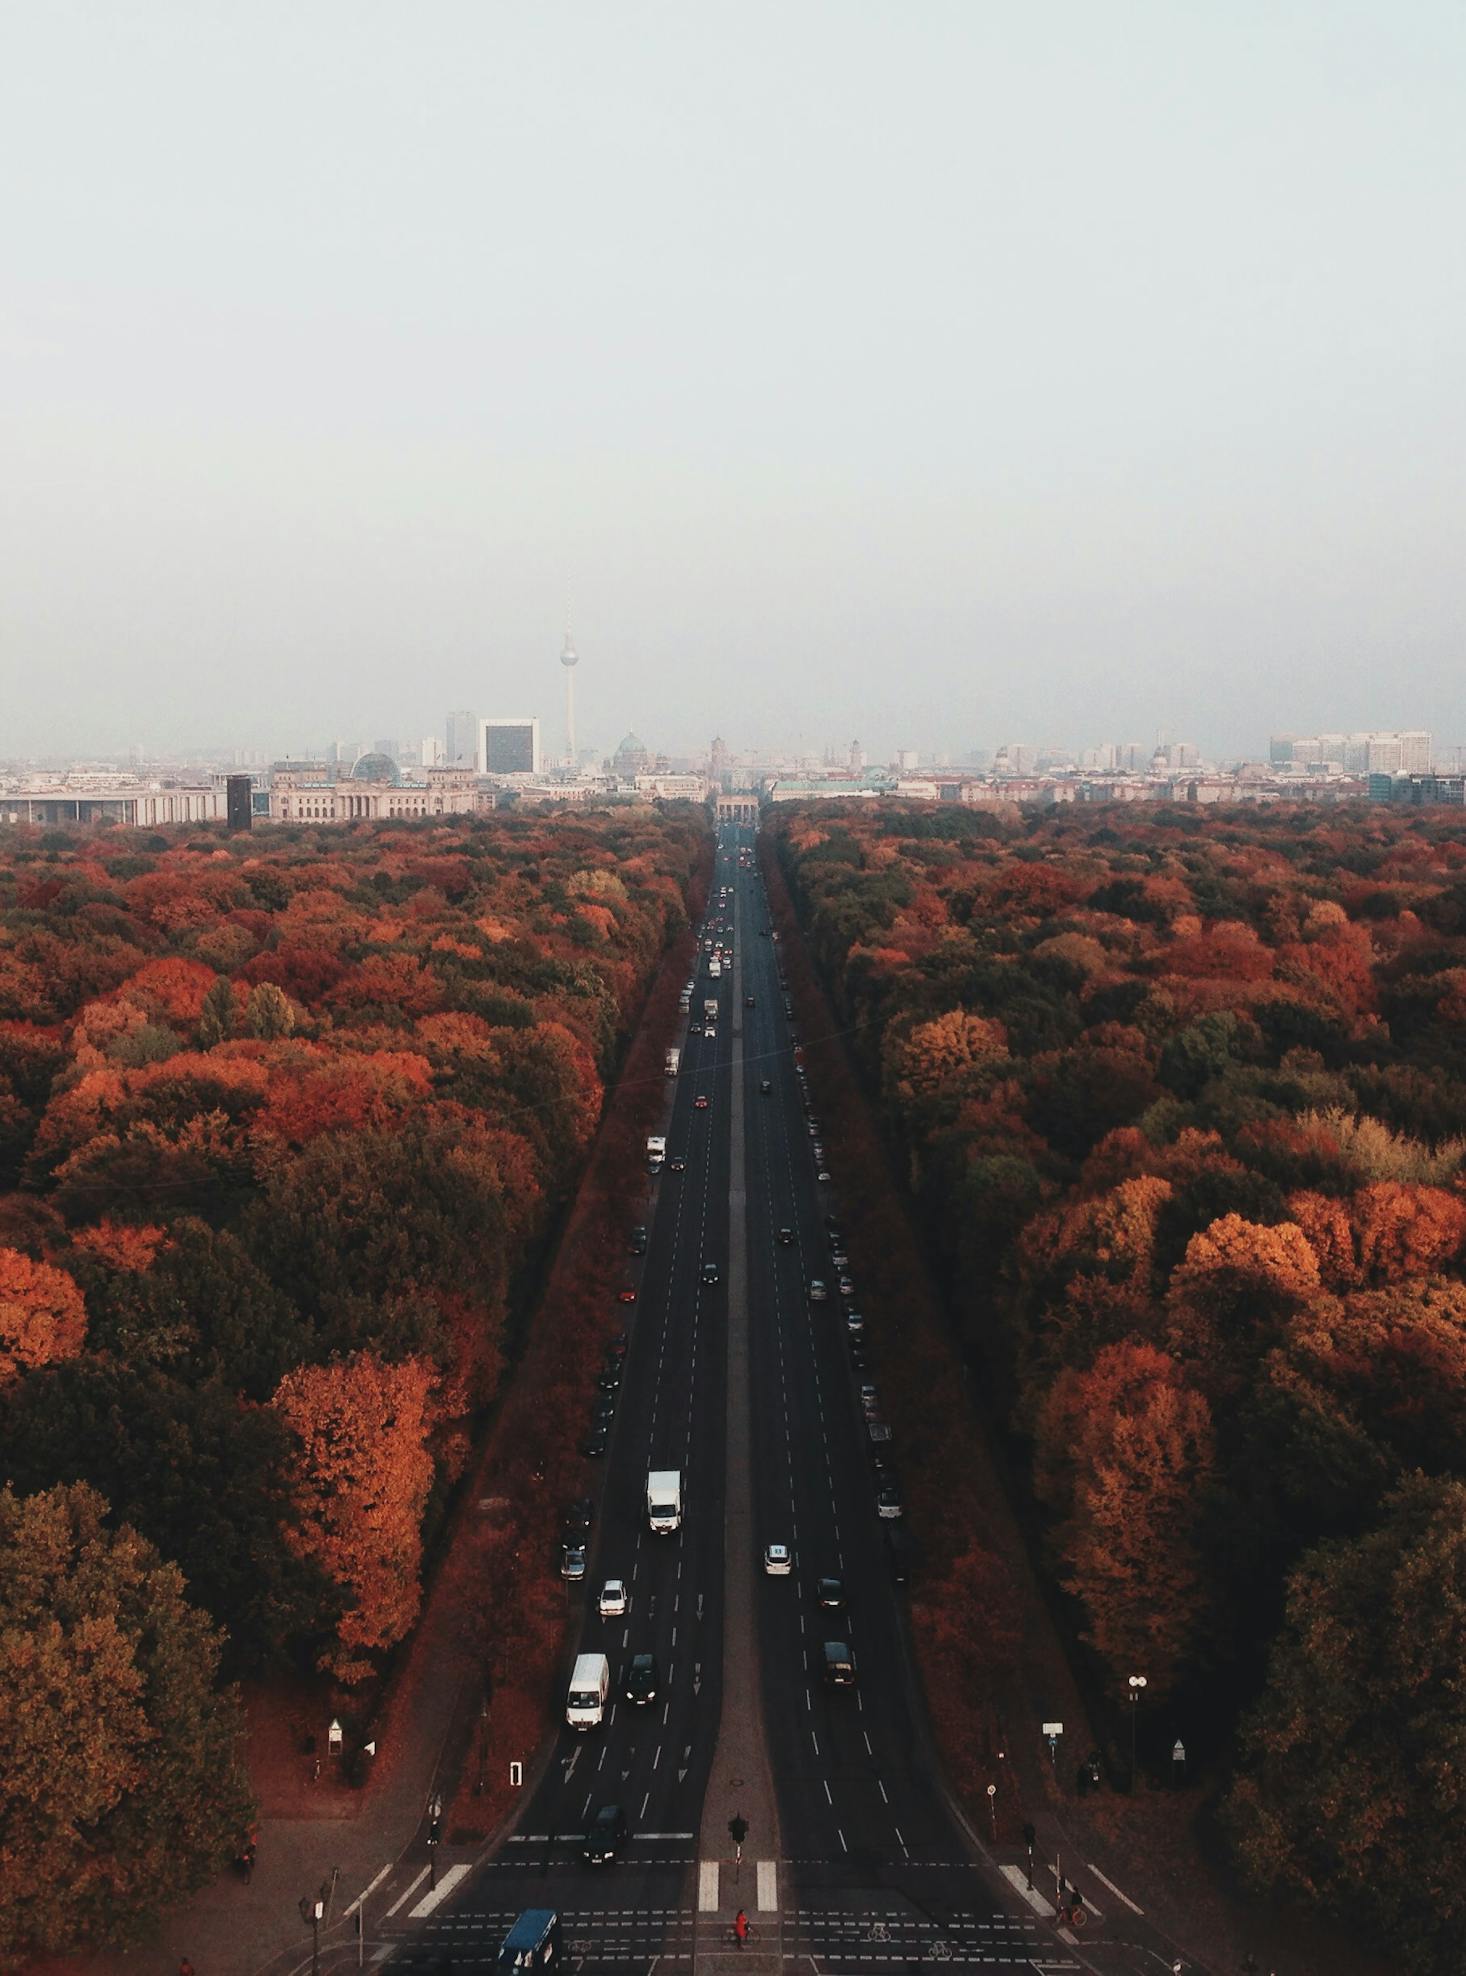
[[509, 747], [461, 741]]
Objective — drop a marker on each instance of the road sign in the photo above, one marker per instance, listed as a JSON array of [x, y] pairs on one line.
[[1053, 1728], [1178, 1751], [516, 1775]]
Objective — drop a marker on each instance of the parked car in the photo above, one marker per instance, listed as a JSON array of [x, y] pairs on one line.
[[596, 1442], [847, 1287], [572, 1562], [854, 1323], [616, 1347], [636, 1242], [626, 1294], [888, 1501], [609, 1376], [579, 1515]]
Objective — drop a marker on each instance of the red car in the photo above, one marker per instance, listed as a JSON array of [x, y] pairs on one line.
[[628, 1295], [700, 1102]]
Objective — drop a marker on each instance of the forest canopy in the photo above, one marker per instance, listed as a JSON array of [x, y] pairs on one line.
[[1182, 1099]]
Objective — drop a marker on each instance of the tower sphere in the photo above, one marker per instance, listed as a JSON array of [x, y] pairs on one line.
[[569, 656]]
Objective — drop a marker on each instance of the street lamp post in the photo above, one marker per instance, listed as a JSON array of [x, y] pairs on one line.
[[1137, 1683], [312, 1911], [435, 1832]]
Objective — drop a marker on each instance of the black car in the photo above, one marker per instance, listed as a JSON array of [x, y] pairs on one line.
[[605, 1411], [642, 1678], [749, 1002], [831, 1594], [786, 1236], [579, 1515], [637, 1242], [609, 1376], [596, 1442], [618, 1343], [710, 1272], [607, 1835], [677, 1164], [765, 1086]]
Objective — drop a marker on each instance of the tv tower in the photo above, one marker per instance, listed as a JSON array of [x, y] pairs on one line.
[[570, 659]]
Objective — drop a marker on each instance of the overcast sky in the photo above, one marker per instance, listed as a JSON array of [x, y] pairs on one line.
[[937, 372]]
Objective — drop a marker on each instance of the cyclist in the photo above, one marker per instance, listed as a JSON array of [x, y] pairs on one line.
[[740, 1927]]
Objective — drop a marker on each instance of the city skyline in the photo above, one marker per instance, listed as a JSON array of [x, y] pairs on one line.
[[904, 375]]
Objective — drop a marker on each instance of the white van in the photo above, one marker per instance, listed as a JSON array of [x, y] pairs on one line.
[[585, 1705]]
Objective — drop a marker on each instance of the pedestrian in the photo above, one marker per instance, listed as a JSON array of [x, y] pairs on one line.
[[740, 1927]]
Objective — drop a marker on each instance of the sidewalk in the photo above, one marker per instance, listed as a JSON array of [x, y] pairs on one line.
[[230, 1929]]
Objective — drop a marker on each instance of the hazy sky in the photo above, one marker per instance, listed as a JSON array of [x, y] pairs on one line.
[[932, 371]]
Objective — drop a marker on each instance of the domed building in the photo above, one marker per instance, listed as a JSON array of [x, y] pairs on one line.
[[631, 759], [376, 768]]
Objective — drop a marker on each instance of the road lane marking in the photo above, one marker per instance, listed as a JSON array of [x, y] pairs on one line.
[[439, 1893], [406, 1895], [1035, 1899], [1105, 1881], [372, 1885]]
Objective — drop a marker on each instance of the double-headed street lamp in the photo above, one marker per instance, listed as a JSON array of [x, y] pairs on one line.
[[1137, 1682]]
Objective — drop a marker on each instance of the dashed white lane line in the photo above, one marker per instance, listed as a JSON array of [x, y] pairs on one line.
[[1105, 1881]]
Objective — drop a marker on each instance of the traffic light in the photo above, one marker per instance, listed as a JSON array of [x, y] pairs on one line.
[[1030, 1837], [738, 1828]]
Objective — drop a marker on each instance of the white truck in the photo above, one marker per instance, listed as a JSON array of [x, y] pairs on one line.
[[715, 967], [585, 1704], [656, 1151], [710, 1008], [664, 1500], [673, 1063]]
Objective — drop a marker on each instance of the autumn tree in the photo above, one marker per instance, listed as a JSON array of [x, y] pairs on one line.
[[122, 1788], [42, 1315], [1124, 1452], [931, 1056], [1353, 1787], [360, 1478], [1237, 1284]]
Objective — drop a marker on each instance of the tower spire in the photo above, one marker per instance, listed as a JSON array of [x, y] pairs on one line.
[[570, 659]]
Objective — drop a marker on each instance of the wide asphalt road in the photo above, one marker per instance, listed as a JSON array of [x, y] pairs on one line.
[[872, 1869]]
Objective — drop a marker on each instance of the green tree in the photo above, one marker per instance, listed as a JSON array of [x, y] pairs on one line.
[[216, 1021], [196, 1472], [1353, 1791], [122, 1787]]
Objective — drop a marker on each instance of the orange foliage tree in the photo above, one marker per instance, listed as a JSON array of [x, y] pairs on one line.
[[360, 1484], [1124, 1451], [42, 1314]]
